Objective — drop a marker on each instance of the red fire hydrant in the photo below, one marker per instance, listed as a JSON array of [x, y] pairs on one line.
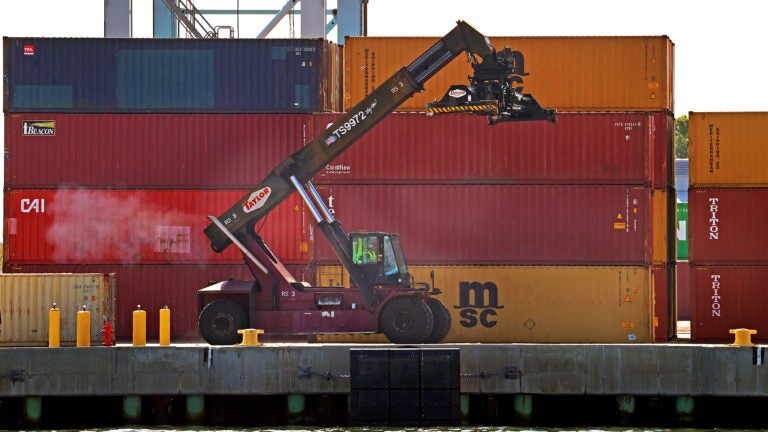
[[108, 332]]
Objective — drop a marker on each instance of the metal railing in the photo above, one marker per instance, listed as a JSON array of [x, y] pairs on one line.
[[193, 21]]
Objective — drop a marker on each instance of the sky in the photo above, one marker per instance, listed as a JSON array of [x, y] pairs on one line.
[[719, 60]]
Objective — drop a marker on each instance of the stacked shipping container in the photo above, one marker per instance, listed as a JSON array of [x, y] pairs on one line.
[[726, 213], [532, 228], [524, 222], [116, 150], [681, 219], [112, 75]]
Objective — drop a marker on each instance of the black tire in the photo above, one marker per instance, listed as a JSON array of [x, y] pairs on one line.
[[219, 322], [442, 321], [406, 319]]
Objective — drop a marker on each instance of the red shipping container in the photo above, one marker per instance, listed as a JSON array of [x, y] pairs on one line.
[[220, 151], [727, 226], [683, 290], [581, 148], [498, 224], [728, 297], [159, 151], [156, 286], [44, 226]]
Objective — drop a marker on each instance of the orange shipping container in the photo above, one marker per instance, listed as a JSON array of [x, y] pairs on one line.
[[592, 73], [534, 304], [728, 149]]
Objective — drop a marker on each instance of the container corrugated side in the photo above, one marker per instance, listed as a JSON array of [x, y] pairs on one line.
[[153, 287], [539, 304], [664, 302], [581, 148], [238, 150], [727, 225], [725, 297], [662, 139], [163, 151], [170, 75], [501, 224], [662, 233], [594, 73], [683, 274], [26, 299], [727, 149], [76, 226]]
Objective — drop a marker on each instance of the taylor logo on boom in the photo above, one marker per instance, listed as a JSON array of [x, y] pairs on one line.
[[256, 200], [478, 303], [38, 128]]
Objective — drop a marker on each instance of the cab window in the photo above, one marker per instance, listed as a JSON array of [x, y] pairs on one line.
[[365, 250]]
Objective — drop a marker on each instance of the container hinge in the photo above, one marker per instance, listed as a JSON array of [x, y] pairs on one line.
[[509, 372], [307, 373]]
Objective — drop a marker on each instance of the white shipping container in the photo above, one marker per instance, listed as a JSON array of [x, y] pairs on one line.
[[27, 298]]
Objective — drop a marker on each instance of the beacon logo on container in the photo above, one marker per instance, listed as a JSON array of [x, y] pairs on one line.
[[257, 199], [478, 303], [38, 128]]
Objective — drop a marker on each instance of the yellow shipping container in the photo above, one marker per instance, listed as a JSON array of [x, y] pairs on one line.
[[26, 299], [589, 73], [536, 304], [728, 149]]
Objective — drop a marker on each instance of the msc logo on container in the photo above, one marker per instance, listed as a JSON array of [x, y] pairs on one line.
[[38, 128], [478, 303]]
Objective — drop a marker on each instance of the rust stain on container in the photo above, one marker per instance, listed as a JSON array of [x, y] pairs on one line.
[[25, 300], [727, 149], [595, 73], [540, 304]]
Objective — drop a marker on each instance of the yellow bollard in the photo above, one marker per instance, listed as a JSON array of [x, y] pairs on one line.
[[139, 327], [165, 326], [83, 328], [54, 327], [743, 337], [251, 336]]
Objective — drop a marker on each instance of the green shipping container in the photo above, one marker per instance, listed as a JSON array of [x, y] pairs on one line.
[[682, 231]]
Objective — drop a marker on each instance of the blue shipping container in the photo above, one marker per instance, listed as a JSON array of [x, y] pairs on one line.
[[113, 75]]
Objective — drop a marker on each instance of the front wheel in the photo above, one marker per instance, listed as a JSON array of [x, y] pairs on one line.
[[406, 319], [442, 318], [220, 320]]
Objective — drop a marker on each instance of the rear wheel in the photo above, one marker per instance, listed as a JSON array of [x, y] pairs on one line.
[[220, 320], [406, 319], [442, 321]]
